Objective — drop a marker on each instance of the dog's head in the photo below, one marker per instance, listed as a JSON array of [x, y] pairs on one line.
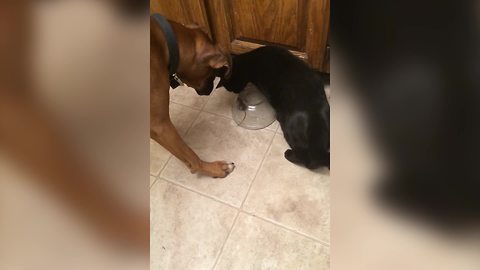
[[208, 62]]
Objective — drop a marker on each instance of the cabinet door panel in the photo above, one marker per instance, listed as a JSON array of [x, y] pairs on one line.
[[268, 21], [299, 25]]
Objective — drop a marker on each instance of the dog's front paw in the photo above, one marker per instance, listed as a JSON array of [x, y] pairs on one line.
[[218, 169]]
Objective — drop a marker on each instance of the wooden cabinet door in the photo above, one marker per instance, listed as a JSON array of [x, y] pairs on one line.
[[299, 25], [243, 25]]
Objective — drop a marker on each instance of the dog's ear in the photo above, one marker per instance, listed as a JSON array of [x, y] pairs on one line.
[[196, 26], [217, 61], [216, 58], [229, 64]]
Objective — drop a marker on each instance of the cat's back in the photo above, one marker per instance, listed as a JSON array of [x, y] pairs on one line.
[[275, 58], [287, 80]]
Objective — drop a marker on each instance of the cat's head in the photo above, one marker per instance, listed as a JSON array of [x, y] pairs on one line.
[[237, 78]]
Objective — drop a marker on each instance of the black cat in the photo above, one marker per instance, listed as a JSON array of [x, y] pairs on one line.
[[296, 92]]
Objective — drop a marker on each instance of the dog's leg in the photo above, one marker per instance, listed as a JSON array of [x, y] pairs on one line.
[[164, 132]]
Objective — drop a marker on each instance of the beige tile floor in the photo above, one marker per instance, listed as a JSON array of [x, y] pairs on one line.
[[268, 214]]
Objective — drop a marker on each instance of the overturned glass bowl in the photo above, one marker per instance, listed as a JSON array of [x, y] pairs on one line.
[[251, 109]]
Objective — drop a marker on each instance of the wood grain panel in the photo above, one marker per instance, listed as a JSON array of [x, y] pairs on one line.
[[219, 14], [269, 21], [240, 47], [318, 23], [183, 11]]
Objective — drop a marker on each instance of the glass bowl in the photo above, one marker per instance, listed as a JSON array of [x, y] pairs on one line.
[[251, 109]]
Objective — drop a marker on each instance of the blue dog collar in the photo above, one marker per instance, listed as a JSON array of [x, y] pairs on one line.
[[173, 51]]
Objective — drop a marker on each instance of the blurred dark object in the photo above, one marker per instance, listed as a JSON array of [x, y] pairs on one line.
[[415, 68], [133, 7]]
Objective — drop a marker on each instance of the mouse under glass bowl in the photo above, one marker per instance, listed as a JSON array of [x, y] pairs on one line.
[[251, 109]]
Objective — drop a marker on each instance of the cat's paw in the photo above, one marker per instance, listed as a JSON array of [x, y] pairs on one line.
[[290, 156]]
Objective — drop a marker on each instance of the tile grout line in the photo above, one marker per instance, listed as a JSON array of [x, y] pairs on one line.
[[220, 252], [219, 115], [275, 223], [207, 100], [187, 106], [197, 192], [216, 114], [160, 171], [191, 124], [164, 165], [239, 210], [258, 170], [183, 105], [324, 243]]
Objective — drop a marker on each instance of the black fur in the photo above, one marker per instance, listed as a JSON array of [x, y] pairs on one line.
[[296, 92]]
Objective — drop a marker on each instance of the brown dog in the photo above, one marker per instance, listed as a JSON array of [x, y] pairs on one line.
[[199, 58]]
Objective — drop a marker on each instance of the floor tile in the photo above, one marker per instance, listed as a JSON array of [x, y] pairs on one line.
[[279, 130], [182, 118], [291, 195], [158, 157], [258, 245], [221, 102], [214, 137], [274, 126], [188, 97], [187, 230], [152, 179]]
